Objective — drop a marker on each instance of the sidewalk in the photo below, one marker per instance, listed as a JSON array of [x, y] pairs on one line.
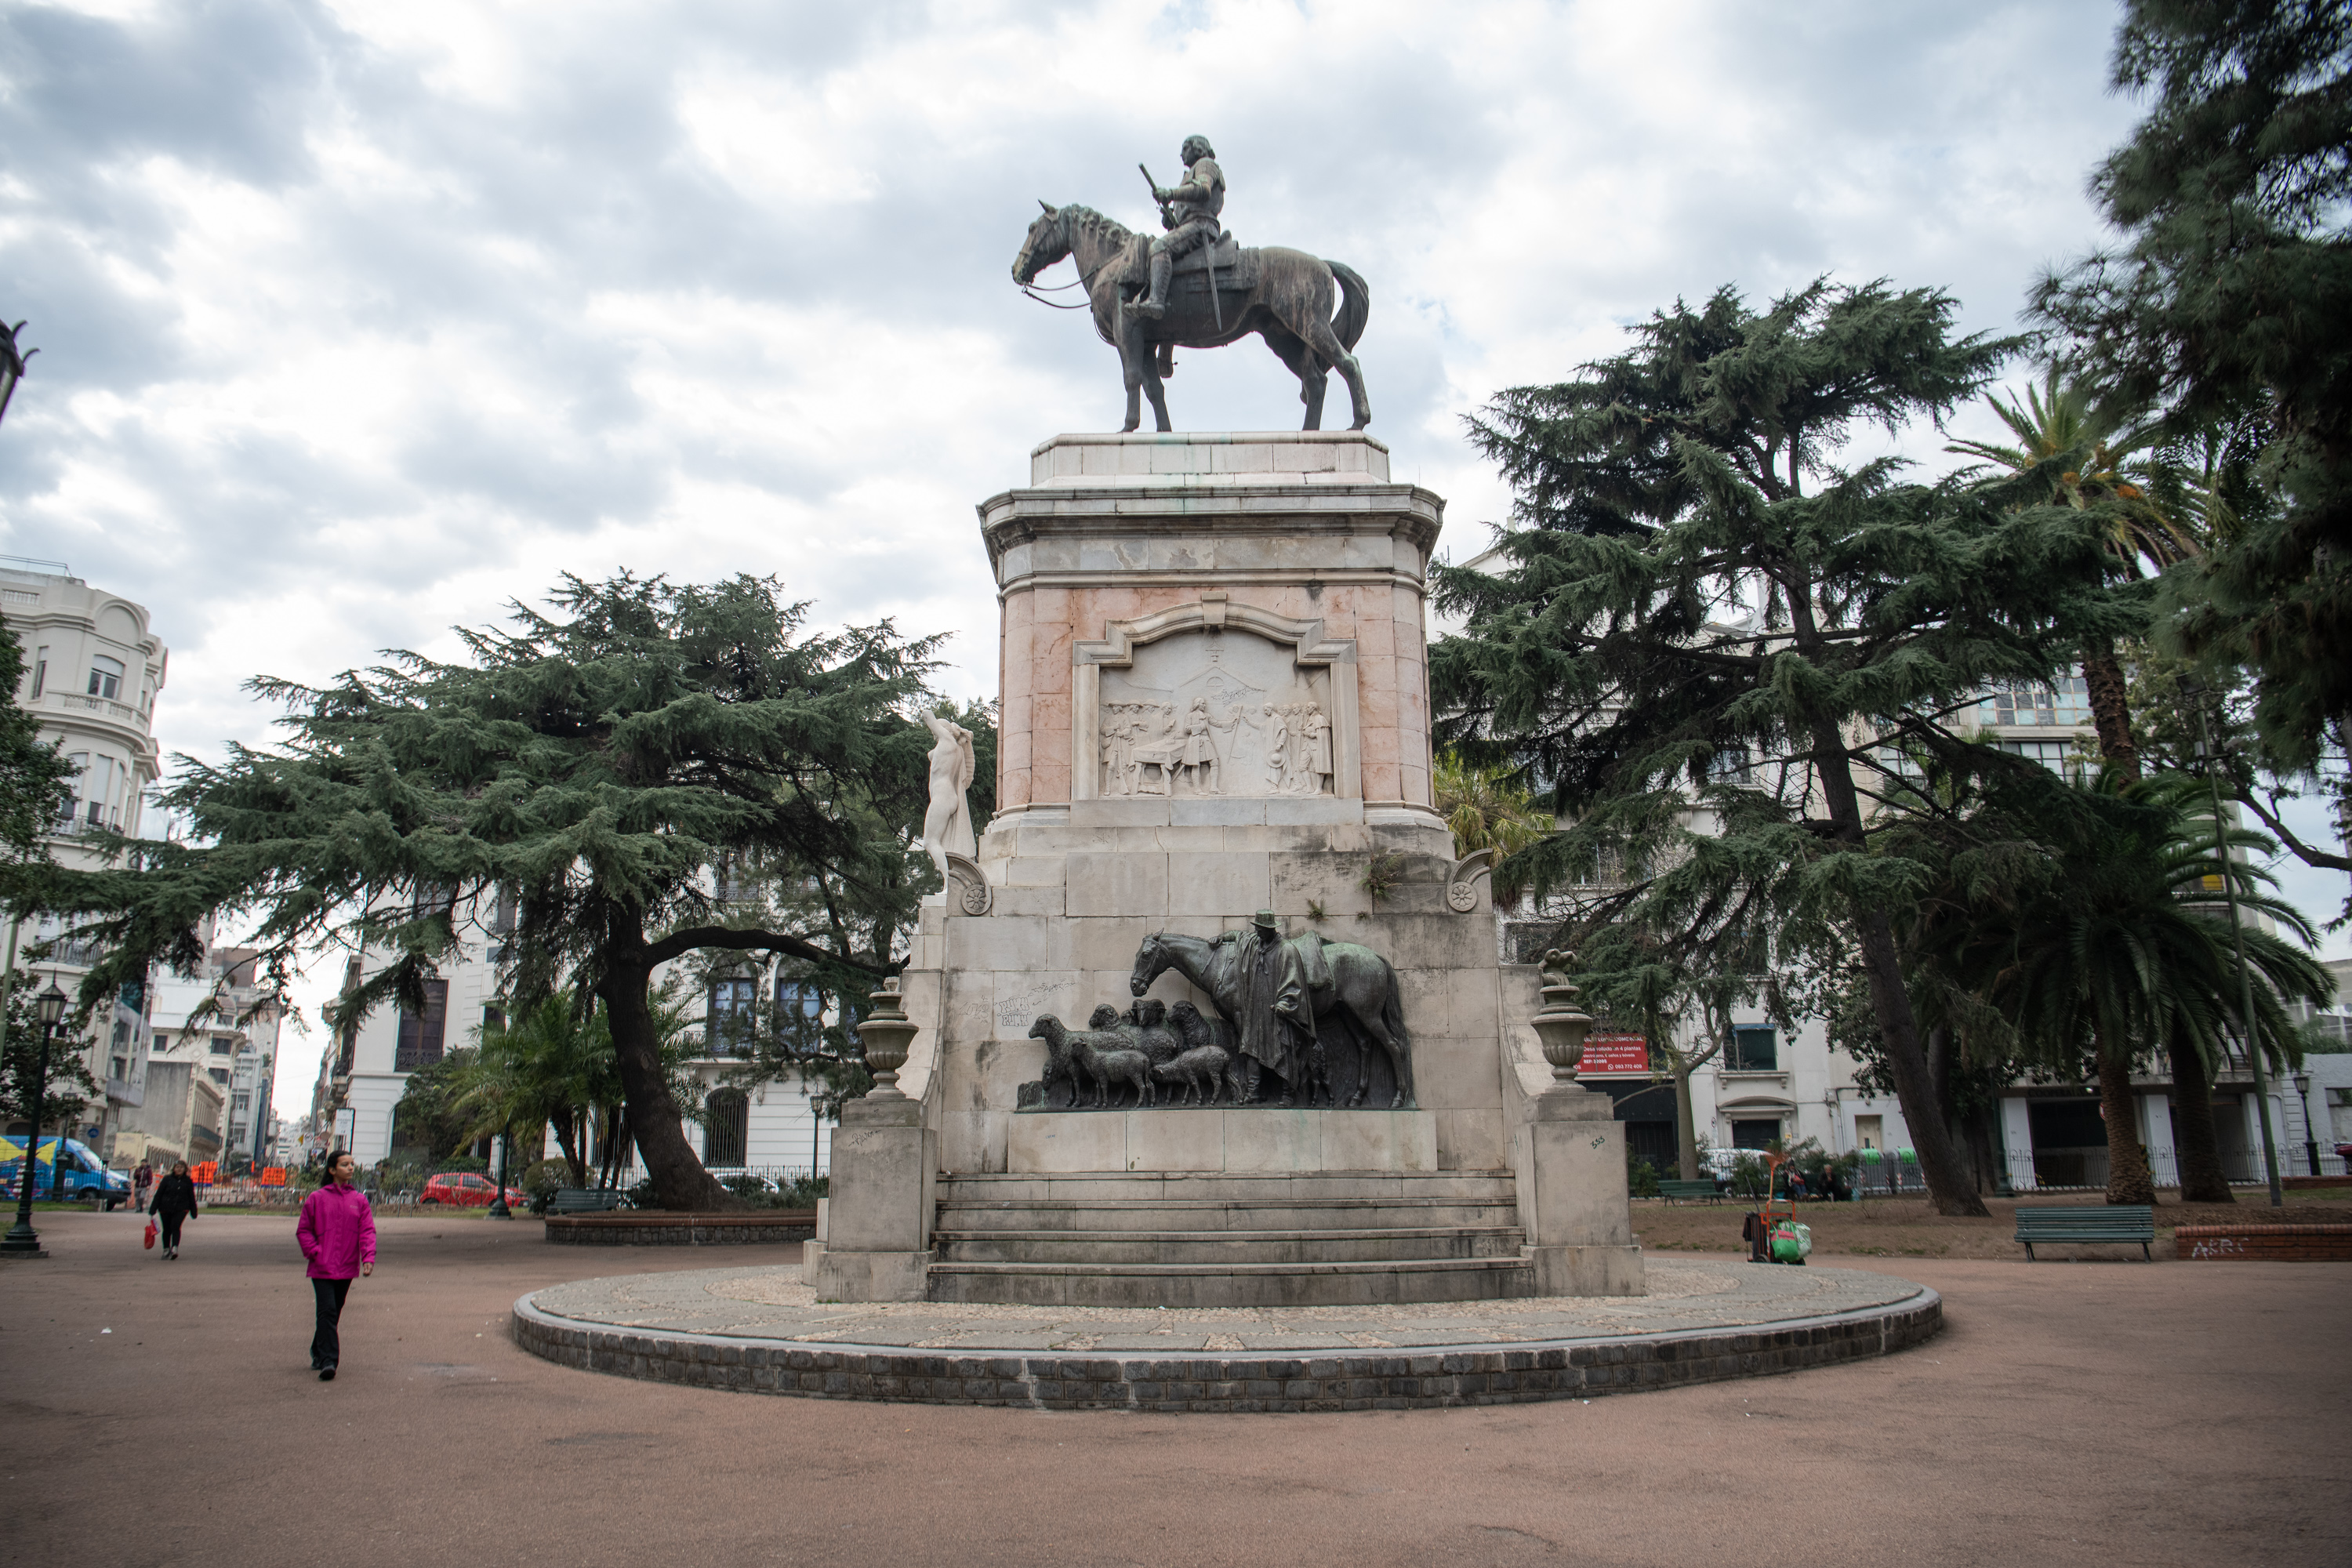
[[2069, 1414]]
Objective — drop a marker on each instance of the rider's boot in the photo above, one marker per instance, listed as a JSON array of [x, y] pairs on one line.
[[1155, 305]]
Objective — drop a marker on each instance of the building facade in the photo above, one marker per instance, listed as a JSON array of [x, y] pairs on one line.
[[93, 671]]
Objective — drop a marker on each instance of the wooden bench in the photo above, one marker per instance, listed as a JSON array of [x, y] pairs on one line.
[[585, 1200], [1676, 1192], [2125, 1223]]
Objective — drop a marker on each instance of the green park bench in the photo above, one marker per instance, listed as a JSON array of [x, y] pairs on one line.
[[2125, 1223], [1678, 1190], [585, 1200]]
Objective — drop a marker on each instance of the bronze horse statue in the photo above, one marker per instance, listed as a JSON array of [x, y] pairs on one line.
[[1289, 304], [1363, 998]]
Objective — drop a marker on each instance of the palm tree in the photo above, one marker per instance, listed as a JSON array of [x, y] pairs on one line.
[[2092, 458], [2120, 950], [1487, 809]]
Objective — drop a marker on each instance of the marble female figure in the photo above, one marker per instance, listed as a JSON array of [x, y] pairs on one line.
[[947, 824], [1318, 746], [1278, 745]]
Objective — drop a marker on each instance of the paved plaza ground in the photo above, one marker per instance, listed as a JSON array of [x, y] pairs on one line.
[[2092, 1412]]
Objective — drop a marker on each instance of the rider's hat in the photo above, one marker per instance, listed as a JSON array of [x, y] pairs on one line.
[[1265, 922]]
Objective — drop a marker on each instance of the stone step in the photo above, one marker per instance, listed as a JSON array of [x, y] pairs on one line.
[[1226, 1216], [1005, 1186], [1367, 1283], [1390, 1244]]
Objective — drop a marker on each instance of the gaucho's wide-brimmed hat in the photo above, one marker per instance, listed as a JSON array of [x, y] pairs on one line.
[[1265, 921]]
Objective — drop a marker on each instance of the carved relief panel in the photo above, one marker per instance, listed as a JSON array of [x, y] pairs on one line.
[[1207, 700]]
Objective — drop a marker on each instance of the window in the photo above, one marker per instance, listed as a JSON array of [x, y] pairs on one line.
[[40, 672], [105, 677], [502, 913], [120, 1066], [218, 1075], [726, 1127], [1754, 1050], [239, 1102], [419, 1043], [224, 1044], [1754, 1134], [2066, 701], [494, 1020], [2050, 754], [799, 1009], [727, 1031]]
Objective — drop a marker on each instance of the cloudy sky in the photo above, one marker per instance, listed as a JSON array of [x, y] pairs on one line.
[[358, 320]]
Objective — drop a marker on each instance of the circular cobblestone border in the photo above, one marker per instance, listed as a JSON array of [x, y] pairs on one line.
[[1408, 1377]]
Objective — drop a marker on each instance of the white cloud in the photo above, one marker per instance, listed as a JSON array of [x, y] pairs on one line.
[[360, 320]]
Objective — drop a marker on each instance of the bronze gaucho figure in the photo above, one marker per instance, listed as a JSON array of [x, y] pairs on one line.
[[1190, 212]]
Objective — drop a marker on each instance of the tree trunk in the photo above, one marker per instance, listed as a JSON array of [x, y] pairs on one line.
[[564, 1134], [2103, 673], [2129, 1181], [680, 1183], [2194, 1147], [1906, 1058], [1686, 1121], [1948, 1185]]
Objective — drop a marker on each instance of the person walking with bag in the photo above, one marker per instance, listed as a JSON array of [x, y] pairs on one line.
[[176, 1202], [141, 1180], [337, 1231]]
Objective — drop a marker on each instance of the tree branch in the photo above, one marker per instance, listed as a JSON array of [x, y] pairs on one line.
[[2304, 852], [739, 940]]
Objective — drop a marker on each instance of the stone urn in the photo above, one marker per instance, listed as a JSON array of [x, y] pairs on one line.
[[1560, 1023], [886, 1034]]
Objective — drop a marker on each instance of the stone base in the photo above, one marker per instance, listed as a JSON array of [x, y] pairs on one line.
[[1713, 1320], [1256, 1141], [865, 1276], [1588, 1271]]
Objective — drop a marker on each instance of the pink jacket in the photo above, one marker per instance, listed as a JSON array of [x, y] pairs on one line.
[[337, 1231]]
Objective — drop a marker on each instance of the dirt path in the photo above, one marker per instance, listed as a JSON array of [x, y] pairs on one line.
[[2094, 1414]]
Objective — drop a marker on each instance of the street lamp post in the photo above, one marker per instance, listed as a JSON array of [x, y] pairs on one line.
[[498, 1209], [22, 1240], [2310, 1139]]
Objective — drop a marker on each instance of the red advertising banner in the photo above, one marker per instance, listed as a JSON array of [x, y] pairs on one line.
[[204, 1172], [273, 1175], [1614, 1054]]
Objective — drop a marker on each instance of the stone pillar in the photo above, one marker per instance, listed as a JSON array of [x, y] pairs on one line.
[[878, 1245], [2155, 1137], [1573, 1199]]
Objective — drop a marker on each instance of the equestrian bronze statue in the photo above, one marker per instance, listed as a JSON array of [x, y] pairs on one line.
[[1195, 287]]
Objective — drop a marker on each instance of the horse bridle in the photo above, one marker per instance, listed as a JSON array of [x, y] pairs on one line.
[[1082, 281]]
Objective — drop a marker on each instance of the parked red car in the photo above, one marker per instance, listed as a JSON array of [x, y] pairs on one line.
[[462, 1189]]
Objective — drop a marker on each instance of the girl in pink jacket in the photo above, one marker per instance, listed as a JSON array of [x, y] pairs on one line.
[[337, 1231]]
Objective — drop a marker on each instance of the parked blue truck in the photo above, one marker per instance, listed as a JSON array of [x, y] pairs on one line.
[[84, 1178]]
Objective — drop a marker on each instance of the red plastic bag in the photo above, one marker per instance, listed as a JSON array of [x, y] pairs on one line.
[[150, 1235]]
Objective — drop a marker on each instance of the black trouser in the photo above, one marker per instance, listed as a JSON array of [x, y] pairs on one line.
[[325, 1348], [170, 1220]]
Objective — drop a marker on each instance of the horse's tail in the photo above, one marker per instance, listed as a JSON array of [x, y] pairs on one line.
[[1355, 304]]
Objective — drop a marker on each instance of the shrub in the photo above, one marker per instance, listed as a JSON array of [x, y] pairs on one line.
[[1641, 1178]]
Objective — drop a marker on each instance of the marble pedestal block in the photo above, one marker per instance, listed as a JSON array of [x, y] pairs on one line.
[[1259, 1140], [1572, 1198], [877, 1223]]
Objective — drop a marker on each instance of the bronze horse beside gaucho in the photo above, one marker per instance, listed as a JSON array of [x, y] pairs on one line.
[[1289, 303], [1360, 998]]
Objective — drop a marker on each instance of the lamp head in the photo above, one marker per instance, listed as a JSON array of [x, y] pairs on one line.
[[52, 1005]]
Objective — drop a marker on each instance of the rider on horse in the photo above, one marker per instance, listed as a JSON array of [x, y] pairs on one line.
[[1189, 211]]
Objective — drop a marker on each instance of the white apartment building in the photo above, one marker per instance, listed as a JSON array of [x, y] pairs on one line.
[[769, 1126], [93, 669], [237, 1052]]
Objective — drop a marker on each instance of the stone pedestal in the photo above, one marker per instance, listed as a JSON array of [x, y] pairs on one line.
[[1258, 1140], [1214, 701], [1570, 1165], [877, 1222]]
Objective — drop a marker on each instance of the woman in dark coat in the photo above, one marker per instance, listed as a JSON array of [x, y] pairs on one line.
[[175, 1200]]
